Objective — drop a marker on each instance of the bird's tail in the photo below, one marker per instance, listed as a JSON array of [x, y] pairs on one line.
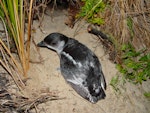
[[96, 93]]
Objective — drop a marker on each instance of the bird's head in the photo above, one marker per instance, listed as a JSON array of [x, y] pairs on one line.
[[54, 41]]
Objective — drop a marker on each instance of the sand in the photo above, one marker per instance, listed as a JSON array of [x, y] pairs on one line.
[[46, 75]]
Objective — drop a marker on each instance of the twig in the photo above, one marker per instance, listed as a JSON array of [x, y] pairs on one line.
[[104, 38], [107, 43]]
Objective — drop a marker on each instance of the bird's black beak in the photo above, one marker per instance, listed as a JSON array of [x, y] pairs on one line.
[[41, 44]]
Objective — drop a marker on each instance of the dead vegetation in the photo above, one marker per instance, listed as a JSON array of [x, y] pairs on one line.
[[128, 21], [108, 44], [17, 102], [73, 10]]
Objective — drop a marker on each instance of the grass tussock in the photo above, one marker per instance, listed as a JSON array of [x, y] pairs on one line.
[[128, 21], [8, 60], [12, 13]]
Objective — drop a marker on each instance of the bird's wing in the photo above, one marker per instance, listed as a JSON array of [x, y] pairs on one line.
[[81, 90]]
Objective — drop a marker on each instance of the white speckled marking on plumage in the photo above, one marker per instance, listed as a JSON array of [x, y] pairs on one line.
[[71, 58], [102, 84], [95, 88], [60, 47], [91, 64]]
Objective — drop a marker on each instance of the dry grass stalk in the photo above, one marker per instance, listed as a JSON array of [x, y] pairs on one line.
[[128, 21], [29, 33], [18, 103]]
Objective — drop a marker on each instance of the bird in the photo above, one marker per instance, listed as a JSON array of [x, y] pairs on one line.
[[79, 66]]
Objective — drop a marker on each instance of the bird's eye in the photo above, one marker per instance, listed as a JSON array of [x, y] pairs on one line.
[[53, 43]]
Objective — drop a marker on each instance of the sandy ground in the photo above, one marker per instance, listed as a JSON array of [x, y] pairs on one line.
[[46, 75]]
